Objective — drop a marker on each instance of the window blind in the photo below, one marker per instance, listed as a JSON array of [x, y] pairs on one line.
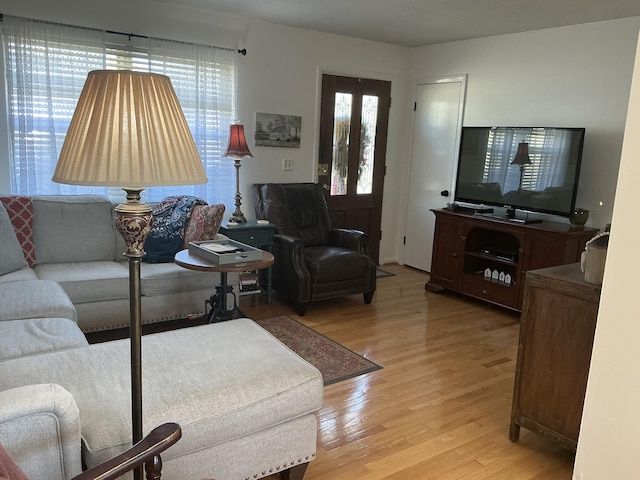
[[46, 66]]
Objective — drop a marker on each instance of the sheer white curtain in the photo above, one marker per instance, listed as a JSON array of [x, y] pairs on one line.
[[502, 147], [46, 67]]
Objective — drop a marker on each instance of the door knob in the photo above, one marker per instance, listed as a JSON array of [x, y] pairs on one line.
[[444, 193]]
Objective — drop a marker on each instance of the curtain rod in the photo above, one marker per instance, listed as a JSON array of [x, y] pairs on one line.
[[242, 51]]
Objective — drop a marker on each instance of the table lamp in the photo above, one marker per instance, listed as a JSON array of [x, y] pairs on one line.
[[522, 159], [128, 130], [237, 149]]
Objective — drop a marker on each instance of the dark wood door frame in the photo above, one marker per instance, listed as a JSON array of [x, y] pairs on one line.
[[357, 211]]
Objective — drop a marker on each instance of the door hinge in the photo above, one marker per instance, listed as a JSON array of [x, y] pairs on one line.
[[404, 240], [415, 106], [390, 102], [380, 234]]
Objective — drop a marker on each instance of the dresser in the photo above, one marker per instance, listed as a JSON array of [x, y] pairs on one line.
[[557, 328]]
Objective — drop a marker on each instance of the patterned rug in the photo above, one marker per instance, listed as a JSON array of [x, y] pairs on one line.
[[335, 362], [383, 273]]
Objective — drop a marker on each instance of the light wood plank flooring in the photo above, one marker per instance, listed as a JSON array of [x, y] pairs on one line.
[[440, 407]]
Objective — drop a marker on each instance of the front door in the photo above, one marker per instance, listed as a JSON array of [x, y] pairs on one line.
[[353, 143]]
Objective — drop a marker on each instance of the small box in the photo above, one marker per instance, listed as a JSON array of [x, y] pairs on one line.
[[223, 252]]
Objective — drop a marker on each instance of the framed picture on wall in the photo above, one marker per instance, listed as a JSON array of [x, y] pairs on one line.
[[277, 130]]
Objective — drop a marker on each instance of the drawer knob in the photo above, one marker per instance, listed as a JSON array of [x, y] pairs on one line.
[[486, 292]]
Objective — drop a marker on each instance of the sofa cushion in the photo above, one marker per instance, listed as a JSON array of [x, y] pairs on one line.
[[204, 223], [11, 256], [21, 338], [88, 281], [18, 275], [167, 278], [34, 299], [335, 264], [222, 381], [20, 210], [73, 228]]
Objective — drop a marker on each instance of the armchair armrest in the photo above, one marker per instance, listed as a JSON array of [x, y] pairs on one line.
[[146, 451], [40, 428], [290, 273], [351, 239]]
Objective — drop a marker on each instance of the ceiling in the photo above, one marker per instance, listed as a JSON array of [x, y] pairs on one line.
[[413, 23]]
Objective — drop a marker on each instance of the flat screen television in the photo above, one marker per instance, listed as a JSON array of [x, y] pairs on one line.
[[535, 169]]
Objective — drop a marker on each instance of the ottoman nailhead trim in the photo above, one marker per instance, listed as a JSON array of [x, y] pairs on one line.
[[292, 463]]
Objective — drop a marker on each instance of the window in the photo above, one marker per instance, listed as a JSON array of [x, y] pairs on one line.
[[549, 150], [46, 65]]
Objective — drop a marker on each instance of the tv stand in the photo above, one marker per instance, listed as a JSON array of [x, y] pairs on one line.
[[466, 246]]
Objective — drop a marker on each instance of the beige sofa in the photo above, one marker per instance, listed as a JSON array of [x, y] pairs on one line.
[[76, 245], [246, 403]]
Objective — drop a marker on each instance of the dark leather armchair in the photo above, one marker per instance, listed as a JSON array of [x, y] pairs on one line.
[[312, 260]]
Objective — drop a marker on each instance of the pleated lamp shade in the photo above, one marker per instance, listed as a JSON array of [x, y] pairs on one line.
[[522, 155], [128, 130]]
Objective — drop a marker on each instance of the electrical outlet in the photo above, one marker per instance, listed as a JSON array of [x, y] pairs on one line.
[[287, 164]]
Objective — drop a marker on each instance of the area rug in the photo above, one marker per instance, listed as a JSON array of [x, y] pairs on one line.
[[383, 273], [335, 362]]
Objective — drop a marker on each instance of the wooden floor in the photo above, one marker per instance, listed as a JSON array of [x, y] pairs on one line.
[[440, 407]]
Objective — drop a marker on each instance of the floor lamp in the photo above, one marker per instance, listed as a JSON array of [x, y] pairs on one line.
[[128, 130]]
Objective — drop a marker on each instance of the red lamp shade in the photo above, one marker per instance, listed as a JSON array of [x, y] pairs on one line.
[[522, 155], [237, 147]]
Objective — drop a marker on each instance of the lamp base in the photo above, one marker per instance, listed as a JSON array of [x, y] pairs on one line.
[[238, 217], [133, 220]]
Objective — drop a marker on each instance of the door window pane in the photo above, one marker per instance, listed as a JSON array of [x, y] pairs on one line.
[[367, 143], [341, 127]]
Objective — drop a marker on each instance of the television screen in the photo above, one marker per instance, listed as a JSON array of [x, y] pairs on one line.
[[528, 168]]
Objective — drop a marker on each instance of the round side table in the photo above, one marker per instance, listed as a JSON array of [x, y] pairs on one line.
[[220, 310]]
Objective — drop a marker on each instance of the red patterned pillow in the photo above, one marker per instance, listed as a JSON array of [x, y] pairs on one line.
[[20, 210], [203, 224]]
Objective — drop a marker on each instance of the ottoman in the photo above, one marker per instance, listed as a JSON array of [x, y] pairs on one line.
[[245, 402]]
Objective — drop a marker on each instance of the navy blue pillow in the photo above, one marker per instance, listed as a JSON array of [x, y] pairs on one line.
[[166, 237]]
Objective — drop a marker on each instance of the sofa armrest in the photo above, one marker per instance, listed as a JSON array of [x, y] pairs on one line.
[[351, 239], [40, 428], [290, 273]]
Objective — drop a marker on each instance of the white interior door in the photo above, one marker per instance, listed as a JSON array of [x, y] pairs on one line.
[[436, 135]]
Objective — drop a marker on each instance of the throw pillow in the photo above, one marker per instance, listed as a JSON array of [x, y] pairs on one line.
[[204, 223], [11, 256], [20, 210], [170, 218], [9, 470]]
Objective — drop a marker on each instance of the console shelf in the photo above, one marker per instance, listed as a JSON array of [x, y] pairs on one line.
[[467, 247]]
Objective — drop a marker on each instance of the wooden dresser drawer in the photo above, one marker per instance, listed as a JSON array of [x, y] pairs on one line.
[[476, 286]]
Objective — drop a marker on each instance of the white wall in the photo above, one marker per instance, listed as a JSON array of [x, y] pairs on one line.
[[608, 446], [575, 76], [280, 74]]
